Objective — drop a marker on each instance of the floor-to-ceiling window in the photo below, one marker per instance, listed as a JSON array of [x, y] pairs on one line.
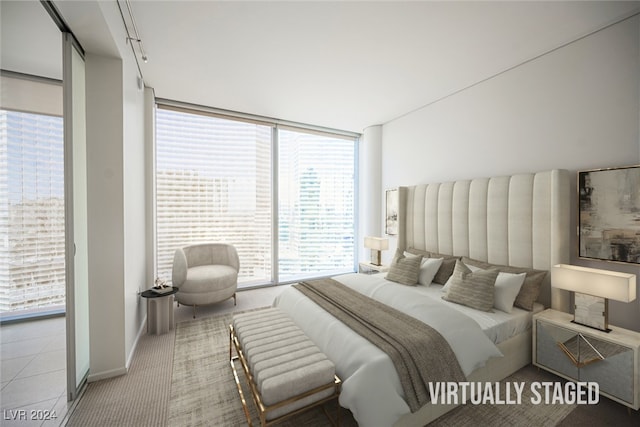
[[213, 185], [32, 212], [315, 204], [32, 248], [289, 215]]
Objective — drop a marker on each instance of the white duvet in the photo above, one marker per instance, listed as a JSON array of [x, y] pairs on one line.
[[371, 387]]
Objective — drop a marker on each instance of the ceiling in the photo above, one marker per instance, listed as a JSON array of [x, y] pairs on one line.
[[30, 43], [345, 65]]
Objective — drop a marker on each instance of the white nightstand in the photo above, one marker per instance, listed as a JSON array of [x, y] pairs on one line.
[[368, 268], [580, 353]]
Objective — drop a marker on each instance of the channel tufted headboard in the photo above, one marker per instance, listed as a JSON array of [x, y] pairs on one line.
[[520, 220]]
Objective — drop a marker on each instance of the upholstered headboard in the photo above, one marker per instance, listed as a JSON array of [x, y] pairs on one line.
[[520, 220]]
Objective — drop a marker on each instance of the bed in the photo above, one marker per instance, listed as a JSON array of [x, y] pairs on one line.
[[520, 220]]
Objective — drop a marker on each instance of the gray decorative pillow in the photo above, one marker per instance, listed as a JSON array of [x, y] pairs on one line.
[[446, 269], [404, 269], [530, 289], [473, 289]]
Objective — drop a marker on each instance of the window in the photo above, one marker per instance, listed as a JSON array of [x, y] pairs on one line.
[[214, 183], [32, 245], [316, 204]]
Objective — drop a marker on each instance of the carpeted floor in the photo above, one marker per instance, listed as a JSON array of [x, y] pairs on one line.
[[139, 398], [195, 387], [203, 391]]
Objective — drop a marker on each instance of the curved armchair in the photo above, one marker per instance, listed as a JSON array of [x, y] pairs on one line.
[[205, 273]]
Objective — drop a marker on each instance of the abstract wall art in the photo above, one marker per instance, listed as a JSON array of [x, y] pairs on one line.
[[609, 214]]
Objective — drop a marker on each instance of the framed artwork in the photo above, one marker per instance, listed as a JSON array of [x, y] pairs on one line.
[[391, 212], [609, 214]]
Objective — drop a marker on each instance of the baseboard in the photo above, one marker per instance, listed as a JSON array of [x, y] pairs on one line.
[[141, 331], [120, 371], [106, 374]]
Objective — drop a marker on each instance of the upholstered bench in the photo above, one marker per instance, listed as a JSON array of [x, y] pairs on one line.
[[287, 373]]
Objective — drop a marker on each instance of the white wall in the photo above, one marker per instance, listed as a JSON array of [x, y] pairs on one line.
[[135, 204], [106, 205], [117, 201], [370, 181], [575, 108]]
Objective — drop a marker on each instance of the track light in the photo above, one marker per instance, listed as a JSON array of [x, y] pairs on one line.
[[135, 37]]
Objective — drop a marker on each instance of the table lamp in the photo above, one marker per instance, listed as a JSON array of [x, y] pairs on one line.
[[377, 245], [593, 288]]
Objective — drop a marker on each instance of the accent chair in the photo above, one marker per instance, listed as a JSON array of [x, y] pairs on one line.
[[205, 273]]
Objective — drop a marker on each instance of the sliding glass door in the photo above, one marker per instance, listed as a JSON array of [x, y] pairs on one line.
[[76, 239]]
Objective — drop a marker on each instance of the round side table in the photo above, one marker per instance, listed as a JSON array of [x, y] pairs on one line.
[[159, 311]]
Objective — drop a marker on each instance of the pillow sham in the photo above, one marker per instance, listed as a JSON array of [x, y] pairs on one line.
[[404, 270], [473, 289], [530, 289], [447, 285], [508, 286], [446, 269], [428, 270]]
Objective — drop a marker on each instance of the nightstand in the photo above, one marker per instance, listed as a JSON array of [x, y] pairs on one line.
[[580, 353], [368, 268]]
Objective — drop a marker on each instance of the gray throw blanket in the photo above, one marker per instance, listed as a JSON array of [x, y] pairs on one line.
[[419, 353]]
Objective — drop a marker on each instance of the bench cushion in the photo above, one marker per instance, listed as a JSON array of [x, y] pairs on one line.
[[283, 361]]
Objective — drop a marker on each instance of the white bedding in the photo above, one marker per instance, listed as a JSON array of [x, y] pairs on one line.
[[498, 325], [371, 388]]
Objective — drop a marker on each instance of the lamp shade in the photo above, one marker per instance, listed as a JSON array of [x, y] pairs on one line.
[[377, 243], [592, 281]]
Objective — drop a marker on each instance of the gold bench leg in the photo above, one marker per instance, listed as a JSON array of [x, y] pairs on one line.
[[262, 409]]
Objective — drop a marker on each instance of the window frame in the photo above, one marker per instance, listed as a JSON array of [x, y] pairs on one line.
[[276, 125]]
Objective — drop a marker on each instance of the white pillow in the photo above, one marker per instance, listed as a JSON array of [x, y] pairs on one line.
[[428, 268], [506, 290]]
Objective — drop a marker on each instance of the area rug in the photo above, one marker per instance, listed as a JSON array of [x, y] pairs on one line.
[[204, 393], [203, 390]]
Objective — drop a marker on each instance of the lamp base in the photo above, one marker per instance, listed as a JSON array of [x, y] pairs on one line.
[[592, 327], [375, 257], [591, 311]]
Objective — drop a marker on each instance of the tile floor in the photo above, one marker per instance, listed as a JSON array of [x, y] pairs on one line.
[[33, 373]]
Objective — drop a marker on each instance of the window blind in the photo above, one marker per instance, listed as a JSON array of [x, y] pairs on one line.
[[213, 184], [215, 179], [316, 204], [32, 246], [30, 94]]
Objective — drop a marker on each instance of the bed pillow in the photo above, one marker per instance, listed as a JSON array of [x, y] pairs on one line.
[[445, 270], [473, 289], [404, 269], [530, 289], [506, 290], [447, 285], [508, 287], [428, 270]]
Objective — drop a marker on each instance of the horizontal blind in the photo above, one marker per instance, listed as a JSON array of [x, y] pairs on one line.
[[30, 94], [213, 184], [316, 204], [32, 245]]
